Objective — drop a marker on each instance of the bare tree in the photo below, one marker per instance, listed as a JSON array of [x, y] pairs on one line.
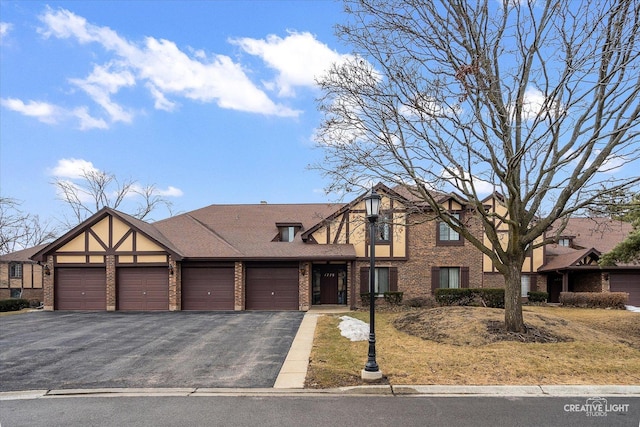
[[20, 230], [98, 189], [535, 99]]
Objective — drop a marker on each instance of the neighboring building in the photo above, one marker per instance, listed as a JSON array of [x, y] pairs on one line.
[[267, 257], [571, 265], [20, 276]]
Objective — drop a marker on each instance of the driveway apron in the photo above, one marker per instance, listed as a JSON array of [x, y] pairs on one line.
[[63, 350]]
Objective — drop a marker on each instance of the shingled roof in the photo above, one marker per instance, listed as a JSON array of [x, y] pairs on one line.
[[23, 255], [248, 232], [589, 237]]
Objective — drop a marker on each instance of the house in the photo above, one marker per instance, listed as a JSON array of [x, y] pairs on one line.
[[571, 265], [20, 276], [254, 257], [270, 257]]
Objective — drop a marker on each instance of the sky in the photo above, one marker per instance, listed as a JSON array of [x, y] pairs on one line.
[[213, 102]]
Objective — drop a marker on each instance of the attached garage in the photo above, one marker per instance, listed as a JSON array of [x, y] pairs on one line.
[[627, 282], [271, 287], [142, 288], [80, 289], [208, 288]]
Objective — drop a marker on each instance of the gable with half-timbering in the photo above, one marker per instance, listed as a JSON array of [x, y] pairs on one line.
[[350, 226], [110, 236]]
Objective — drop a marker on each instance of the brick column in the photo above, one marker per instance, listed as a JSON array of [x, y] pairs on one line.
[[238, 286], [349, 285], [304, 277], [110, 261], [47, 285], [175, 286]]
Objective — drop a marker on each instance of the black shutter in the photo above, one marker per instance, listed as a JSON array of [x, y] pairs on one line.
[[393, 279], [435, 279], [464, 277], [364, 280], [534, 283]]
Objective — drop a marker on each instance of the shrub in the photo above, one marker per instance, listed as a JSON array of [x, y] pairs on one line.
[[492, 297], [13, 304], [393, 298], [365, 298], [487, 297], [454, 296], [419, 302], [594, 299], [537, 297]]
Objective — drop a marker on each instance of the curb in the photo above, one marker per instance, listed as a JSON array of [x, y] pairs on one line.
[[377, 390]]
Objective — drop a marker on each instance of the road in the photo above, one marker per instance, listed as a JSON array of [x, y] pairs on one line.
[[313, 410]]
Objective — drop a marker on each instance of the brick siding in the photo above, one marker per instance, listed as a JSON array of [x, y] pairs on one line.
[[414, 273], [110, 261]]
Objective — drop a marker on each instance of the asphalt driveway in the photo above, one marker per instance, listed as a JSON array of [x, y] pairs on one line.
[[63, 350]]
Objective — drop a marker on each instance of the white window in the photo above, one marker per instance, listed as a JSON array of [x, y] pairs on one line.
[[525, 285], [382, 280], [15, 271], [383, 228], [446, 233], [450, 277], [564, 242], [287, 234]]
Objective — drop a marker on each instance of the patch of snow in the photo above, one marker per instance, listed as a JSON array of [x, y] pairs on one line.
[[632, 308], [354, 329]]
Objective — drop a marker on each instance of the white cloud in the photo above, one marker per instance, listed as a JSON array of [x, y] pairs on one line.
[[298, 58], [101, 84], [5, 28], [536, 104], [72, 168], [481, 186], [43, 111], [170, 192], [87, 121], [162, 68], [52, 114]]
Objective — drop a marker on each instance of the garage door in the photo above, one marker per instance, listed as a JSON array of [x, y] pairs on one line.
[[80, 289], [627, 282], [143, 288], [207, 288], [272, 288]]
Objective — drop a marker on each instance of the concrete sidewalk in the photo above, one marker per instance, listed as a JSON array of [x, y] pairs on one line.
[[294, 369]]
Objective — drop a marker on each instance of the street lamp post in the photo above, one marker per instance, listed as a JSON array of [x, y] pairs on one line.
[[371, 371]]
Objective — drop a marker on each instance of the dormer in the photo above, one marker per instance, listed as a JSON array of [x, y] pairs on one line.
[[287, 231], [566, 241]]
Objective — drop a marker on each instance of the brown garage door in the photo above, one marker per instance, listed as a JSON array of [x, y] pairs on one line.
[[207, 288], [627, 282], [80, 289], [272, 288], [143, 288]]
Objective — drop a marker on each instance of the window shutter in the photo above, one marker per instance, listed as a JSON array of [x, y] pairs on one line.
[[364, 280], [393, 279], [533, 286], [464, 277], [435, 279]]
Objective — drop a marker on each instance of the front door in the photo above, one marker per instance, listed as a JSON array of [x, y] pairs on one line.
[[329, 284], [554, 287]]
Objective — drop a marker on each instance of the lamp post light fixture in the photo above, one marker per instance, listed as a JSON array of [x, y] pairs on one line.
[[371, 371]]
